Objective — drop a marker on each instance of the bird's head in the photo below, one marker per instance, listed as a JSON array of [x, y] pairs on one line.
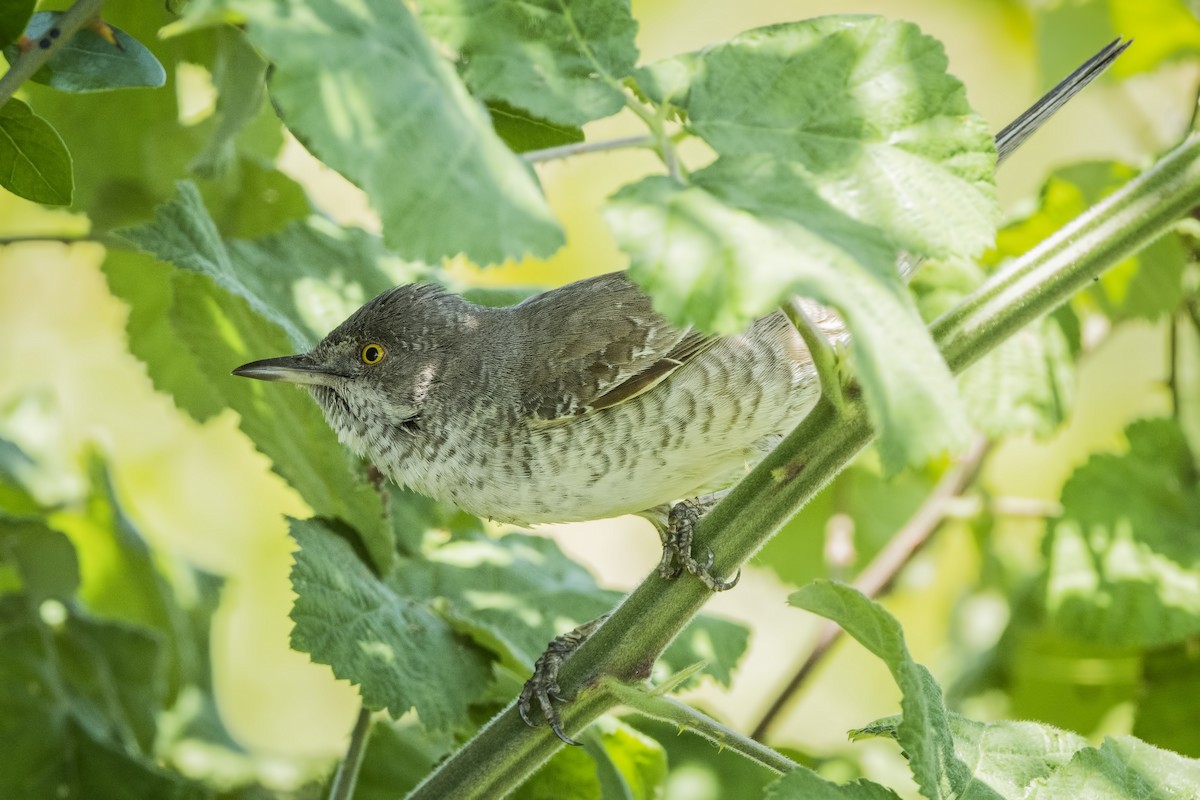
[[376, 370]]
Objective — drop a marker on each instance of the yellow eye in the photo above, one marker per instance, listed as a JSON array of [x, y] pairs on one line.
[[372, 353]]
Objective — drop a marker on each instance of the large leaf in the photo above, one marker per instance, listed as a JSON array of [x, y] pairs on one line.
[[381, 106], [514, 594], [34, 162], [523, 132], [239, 74], [1031, 761], [121, 577], [238, 307], [563, 60], [401, 654], [1124, 557], [39, 561], [804, 784], [131, 146], [78, 697], [924, 731], [718, 254], [1121, 769], [863, 110], [90, 63], [842, 143]]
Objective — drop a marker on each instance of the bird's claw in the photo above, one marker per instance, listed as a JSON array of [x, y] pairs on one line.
[[677, 549], [542, 686]]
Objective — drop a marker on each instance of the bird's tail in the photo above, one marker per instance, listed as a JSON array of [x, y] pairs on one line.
[[1024, 126]]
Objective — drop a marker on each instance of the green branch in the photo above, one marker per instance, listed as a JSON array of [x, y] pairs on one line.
[[505, 752], [27, 65], [666, 709], [346, 777]]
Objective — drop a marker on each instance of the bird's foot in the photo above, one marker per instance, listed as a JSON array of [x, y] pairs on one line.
[[542, 687], [677, 548]]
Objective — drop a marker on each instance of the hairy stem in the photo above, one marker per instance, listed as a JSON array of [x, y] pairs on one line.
[[505, 751], [881, 573], [27, 65], [346, 776], [682, 715]]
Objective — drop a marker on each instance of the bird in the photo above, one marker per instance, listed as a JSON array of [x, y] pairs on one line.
[[579, 403]]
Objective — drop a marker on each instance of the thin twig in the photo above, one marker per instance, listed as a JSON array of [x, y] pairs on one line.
[[883, 569], [567, 150], [1031, 507], [28, 63], [1173, 322], [35, 238], [344, 780]]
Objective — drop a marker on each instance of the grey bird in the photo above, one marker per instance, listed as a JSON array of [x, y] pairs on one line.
[[580, 403]]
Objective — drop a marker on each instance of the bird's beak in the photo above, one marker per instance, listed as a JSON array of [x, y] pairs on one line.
[[290, 369]]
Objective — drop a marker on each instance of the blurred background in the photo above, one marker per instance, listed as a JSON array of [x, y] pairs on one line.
[[69, 387]]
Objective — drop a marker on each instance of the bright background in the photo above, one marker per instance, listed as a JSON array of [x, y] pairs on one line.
[[68, 382]]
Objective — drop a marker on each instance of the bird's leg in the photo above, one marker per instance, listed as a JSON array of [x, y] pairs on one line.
[[543, 687], [676, 536]]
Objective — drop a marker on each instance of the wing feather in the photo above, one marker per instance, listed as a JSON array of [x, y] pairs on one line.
[[600, 343]]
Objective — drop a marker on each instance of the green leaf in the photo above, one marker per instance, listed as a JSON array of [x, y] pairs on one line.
[[563, 60], [40, 559], [1145, 286], [14, 15], [523, 132], [239, 74], [330, 272], [88, 63], [630, 765], [1122, 769], [184, 234], [718, 254], [399, 652], [15, 468], [1167, 704], [399, 754], [306, 279], [804, 784], [129, 147], [382, 107], [150, 293], [34, 162], [1066, 34], [924, 732], [862, 110], [78, 701], [252, 199], [569, 775], [1006, 758], [1123, 560], [122, 579], [513, 594], [1027, 383]]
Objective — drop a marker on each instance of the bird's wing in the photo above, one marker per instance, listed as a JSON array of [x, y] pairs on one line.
[[600, 344]]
